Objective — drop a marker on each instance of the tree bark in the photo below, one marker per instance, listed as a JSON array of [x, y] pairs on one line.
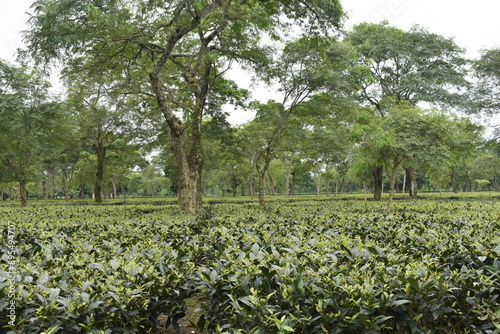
[[234, 184], [23, 193], [271, 183], [250, 184], [318, 184], [261, 187], [365, 192], [115, 193], [378, 174], [454, 183], [288, 170], [404, 183], [100, 150], [392, 182], [412, 181]]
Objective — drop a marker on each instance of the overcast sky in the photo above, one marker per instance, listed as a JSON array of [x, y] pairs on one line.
[[473, 24]]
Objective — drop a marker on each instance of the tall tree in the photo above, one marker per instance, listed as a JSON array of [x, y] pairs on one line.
[[103, 118], [487, 89], [306, 66], [415, 66], [28, 117], [179, 48]]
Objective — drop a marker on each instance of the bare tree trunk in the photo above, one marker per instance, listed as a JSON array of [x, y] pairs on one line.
[[45, 188], [261, 187], [412, 179], [392, 181], [23, 193], [318, 185], [100, 150], [114, 194], [366, 193], [288, 170], [234, 184], [404, 183], [250, 183], [124, 192], [271, 183], [378, 174], [454, 183]]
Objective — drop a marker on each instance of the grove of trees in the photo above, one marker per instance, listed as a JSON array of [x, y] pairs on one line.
[[144, 111]]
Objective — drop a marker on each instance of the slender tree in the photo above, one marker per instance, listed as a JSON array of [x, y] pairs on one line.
[[28, 120]]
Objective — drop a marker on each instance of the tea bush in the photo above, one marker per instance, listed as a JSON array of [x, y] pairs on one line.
[[299, 265]]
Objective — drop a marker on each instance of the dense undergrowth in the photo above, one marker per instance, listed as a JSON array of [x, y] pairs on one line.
[[299, 265]]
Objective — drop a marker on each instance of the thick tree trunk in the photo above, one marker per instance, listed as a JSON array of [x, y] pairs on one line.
[[378, 174], [189, 161], [412, 181], [23, 193]]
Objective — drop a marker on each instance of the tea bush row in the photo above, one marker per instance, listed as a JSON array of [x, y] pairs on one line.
[[296, 266]]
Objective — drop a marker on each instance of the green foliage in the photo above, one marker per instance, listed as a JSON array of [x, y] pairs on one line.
[[487, 72], [413, 65]]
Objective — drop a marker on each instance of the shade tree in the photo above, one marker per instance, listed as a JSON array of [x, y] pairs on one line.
[[415, 66], [179, 48], [29, 121]]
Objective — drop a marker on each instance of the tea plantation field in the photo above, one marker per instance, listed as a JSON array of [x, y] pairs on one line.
[[299, 265]]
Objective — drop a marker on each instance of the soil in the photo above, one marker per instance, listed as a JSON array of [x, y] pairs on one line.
[[184, 324]]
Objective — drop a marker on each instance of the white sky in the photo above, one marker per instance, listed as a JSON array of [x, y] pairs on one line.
[[474, 25]]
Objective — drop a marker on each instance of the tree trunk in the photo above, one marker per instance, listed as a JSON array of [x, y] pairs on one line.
[[404, 183], [250, 183], [365, 192], [271, 183], [318, 185], [100, 150], [124, 192], [294, 179], [234, 184], [114, 194], [287, 178], [378, 174], [261, 187], [45, 189], [190, 163], [23, 193], [392, 182], [261, 170], [454, 183], [412, 181]]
